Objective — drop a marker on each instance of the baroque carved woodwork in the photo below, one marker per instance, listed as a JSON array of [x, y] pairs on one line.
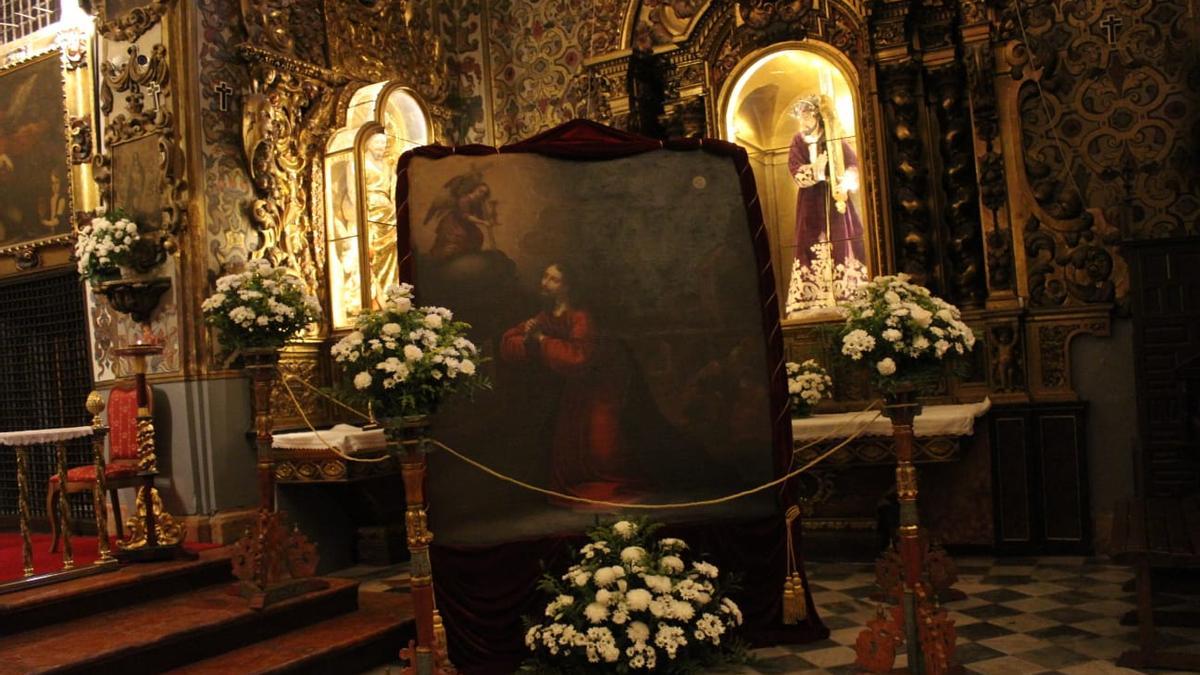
[[911, 222], [1098, 95], [962, 247], [1049, 338], [286, 117], [132, 24], [374, 42], [146, 84], [80, 131]]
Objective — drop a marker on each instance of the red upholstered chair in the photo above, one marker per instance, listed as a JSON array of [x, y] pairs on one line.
[[120, 471]]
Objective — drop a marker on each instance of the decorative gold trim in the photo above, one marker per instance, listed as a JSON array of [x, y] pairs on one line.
[[131, 25], [26, 252]]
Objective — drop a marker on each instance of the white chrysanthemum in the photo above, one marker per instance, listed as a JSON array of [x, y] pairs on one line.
[[670, 639], [638, 599], [605, 577], [624, 528], [632, 554], [657, 583], [412, 352], [886, 366], [672, 563], [596, 612], [638, 631]]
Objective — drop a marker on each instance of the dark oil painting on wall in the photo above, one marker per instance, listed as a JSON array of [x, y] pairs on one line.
[[35, 185], [619, 304]]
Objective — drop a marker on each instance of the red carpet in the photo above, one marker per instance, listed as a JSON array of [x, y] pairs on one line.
[[83, 550]]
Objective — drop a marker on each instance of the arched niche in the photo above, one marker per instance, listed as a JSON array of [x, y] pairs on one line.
[[383, 120], [796, 108]]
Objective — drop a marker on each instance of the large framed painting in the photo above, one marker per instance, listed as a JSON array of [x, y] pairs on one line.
[[35, 176], [624, 296]]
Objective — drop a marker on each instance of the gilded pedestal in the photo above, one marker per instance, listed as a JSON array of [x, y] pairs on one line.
[[153, 533]]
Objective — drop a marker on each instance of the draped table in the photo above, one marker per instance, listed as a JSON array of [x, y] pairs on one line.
[[58, 437]]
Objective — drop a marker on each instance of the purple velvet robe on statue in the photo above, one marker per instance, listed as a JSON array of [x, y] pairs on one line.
[[814, 203]]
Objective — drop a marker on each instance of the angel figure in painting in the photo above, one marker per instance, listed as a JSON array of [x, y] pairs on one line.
[[464, 216]]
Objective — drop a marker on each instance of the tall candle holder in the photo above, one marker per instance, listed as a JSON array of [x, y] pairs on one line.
[[272, 562], [408, 440], [925, 627], [153, 533]]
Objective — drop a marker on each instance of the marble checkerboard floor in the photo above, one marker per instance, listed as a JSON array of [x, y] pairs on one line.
[[1021, 616]]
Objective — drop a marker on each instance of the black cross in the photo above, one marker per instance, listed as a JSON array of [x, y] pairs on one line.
[[223, 92], [155, 93], [1112, 26]]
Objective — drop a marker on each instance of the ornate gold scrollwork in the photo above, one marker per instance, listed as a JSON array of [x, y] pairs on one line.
[[132, 24], [389, 40], [169, 532], [145, 81], [285, 119]]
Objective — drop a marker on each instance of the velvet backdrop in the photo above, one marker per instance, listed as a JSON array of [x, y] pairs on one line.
[[483, 592]]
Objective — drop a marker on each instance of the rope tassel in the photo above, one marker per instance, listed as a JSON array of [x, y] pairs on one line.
[[795, 606]]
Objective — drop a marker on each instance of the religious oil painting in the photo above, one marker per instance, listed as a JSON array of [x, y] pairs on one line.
[[619, 307], [794, 112], [35, 182], [137, 179]]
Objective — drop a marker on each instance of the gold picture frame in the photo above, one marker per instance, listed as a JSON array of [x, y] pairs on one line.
[[35, 156], [127, 20]]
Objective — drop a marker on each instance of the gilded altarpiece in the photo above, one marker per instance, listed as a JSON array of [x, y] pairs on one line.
[[139, 167]]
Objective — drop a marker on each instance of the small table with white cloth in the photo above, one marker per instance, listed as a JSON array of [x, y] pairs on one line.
[[306, 457]]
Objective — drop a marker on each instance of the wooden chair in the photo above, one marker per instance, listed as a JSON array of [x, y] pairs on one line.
[[120, 471], [1162, 532]]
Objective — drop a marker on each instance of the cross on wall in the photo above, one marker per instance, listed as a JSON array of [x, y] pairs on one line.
[[1112, 24], [223, 92], [156, 91]]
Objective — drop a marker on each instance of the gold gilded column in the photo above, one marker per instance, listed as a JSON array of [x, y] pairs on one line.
[[95, 406], [23, 508]]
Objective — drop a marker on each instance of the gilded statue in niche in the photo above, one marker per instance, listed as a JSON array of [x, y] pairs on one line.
[[379, 168], [793, 110]]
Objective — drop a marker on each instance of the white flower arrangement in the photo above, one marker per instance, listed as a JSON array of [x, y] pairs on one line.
[[406, 359], [104, 243], [633, 603], [263, 306], [901, 332], [808, 383]]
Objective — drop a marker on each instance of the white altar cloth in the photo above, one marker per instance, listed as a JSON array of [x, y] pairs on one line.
[[934, 420], [347, 438], [38, 436]]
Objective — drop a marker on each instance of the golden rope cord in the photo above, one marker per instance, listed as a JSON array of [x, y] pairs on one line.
[[861, 427]]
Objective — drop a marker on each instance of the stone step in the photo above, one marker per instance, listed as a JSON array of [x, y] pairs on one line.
[[350, 643], [127, 586], [173, 631]]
